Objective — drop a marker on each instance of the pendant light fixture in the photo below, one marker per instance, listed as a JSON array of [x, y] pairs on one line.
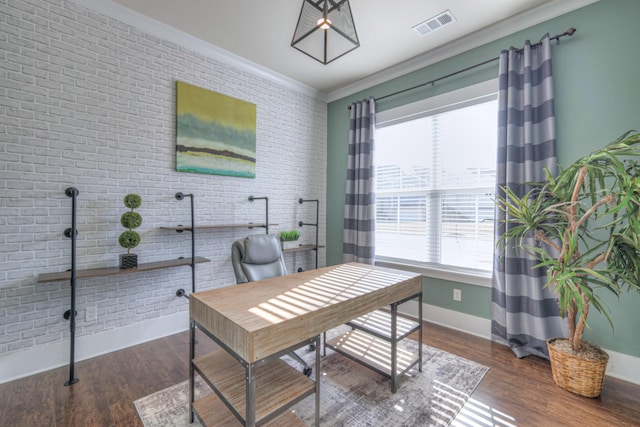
[[325, 30]]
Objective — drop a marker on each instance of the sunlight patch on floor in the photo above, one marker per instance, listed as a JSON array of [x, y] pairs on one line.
[[477, 414]]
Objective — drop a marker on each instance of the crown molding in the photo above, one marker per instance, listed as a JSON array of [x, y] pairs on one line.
[[479, 38], [502, 29], [166, 32]]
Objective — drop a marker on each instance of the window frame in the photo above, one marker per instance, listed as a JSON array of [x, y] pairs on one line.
[[453, 100]]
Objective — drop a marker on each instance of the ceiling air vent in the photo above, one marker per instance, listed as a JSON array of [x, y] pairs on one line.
[[434, 23]]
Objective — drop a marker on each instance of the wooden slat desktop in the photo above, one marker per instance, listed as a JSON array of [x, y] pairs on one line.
[[259, 319]]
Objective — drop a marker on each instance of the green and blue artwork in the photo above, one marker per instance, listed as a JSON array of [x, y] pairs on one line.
[[215, 133]]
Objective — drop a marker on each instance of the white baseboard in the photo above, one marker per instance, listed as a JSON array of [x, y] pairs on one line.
[[621, 366], [20, 364], [23, 363], [450, 319]]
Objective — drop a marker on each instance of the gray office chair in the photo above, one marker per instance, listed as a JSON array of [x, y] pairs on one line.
[[257, 257]]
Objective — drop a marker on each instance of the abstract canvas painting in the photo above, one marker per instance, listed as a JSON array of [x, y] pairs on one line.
[[215, 133]]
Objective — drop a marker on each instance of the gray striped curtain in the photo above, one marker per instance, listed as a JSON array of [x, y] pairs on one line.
[[524, 313], [358, 241]]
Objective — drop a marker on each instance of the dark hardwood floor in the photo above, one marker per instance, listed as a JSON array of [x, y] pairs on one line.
[[515, 392]]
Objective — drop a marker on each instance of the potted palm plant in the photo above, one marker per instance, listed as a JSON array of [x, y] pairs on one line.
[[130, 239], [585, 223]]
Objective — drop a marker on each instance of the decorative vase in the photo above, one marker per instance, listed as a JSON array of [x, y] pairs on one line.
[[289, 244], [579, 375], [128, 261]]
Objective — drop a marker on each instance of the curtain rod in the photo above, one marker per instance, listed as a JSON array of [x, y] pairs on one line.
[[571, 31]]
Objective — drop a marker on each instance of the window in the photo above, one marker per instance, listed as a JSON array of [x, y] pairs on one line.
[[435, 175]]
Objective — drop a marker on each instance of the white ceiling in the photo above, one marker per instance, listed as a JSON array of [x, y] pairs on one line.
[[261, 31]]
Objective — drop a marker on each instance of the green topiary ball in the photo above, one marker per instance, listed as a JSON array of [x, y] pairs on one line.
[[131, 220], [129, 239], [132, 201]]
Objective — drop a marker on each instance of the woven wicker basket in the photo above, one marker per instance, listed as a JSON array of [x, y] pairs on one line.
[[577, 374]]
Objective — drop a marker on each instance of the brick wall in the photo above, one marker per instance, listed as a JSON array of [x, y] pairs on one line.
[[89, 102]]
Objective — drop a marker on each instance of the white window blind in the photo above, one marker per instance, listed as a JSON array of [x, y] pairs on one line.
[[435, 175]]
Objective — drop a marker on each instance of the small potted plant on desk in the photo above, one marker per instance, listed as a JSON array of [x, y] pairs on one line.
[[289, 239], [130, 239], [585, 223]]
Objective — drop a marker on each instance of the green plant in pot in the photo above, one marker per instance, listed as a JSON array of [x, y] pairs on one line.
[[130, 239], [289, 239], [586, 227]]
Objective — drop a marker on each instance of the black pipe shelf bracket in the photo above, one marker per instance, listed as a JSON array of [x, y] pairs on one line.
[[70, 314], [194, 259], [73, 274], [314, 224], [181, 292], [266, 212]]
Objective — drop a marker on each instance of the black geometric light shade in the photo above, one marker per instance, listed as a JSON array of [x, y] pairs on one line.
[[325, 30]]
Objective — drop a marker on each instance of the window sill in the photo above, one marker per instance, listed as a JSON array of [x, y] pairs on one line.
[[454, 276]]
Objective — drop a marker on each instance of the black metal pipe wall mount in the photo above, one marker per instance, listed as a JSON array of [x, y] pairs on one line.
[[181, 292], [266, 209], [301, 224], [72, 233]]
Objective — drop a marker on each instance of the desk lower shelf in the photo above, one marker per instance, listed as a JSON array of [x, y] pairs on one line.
[[112, 271], [372, 352], [278, 386], [378, 323], [212, 412]]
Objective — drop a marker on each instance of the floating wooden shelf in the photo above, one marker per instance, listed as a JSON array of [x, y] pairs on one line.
[[112, 271], [204, 227], [302, 248]]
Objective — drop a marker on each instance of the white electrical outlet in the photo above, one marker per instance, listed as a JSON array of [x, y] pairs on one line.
[[457, 295], [91, 314]]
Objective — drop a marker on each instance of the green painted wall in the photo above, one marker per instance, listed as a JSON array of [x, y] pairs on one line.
[[440, 292], [597, 95]]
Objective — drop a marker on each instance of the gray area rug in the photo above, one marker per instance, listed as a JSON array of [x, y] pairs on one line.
[[352, 395]]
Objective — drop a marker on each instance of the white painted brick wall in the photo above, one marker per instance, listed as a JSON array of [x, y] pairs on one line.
[[89, 102]]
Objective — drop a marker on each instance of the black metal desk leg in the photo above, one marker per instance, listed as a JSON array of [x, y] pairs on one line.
[[250, 416], [318, 377], [394, 347], [420, 352], [192, 355]]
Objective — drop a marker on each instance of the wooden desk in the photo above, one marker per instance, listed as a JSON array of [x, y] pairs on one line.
[[258, 321]]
